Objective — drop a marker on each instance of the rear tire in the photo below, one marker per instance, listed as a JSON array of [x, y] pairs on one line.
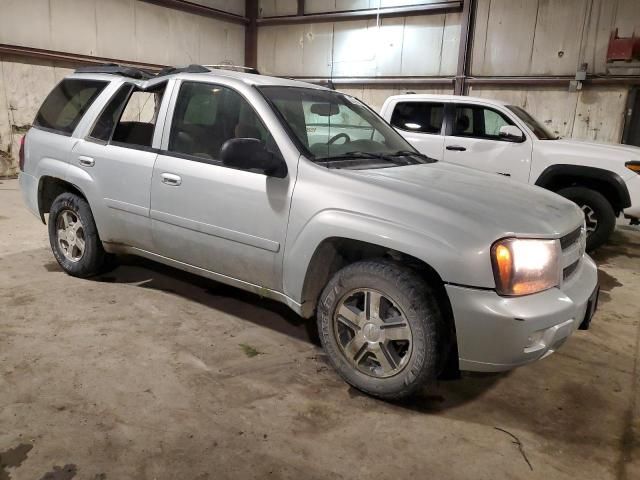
[[381, 326], [599, 214], [73, 236]]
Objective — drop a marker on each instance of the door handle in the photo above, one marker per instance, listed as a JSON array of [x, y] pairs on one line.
[[171, 179], [86, 161], [456, 148], [504, 174]]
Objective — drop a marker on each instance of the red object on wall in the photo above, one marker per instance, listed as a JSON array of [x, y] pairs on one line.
[[625, 48]]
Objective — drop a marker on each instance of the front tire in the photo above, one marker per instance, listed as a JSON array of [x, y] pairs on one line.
[[599, 215], [73, 236], [381, 326]]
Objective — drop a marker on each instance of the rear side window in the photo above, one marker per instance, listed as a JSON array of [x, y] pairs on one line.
[[421, 117], [67, 103], [137, 120], [130, 117], [105, 124]]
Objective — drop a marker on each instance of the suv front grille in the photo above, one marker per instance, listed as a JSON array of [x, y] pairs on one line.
[[570, 238], [570, 270], [572, 250]]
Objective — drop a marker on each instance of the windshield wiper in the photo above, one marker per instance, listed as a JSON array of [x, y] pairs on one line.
[[409, 153], [353, 155], [386, 157]]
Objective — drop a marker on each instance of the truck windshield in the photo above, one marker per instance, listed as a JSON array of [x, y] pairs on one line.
[[536, 127], [339, 130]]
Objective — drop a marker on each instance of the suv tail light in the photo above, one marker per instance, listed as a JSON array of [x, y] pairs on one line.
[[21, 154]]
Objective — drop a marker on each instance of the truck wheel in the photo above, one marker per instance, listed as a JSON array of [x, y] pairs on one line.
[[598, 213], [73, 236], [380, 325]]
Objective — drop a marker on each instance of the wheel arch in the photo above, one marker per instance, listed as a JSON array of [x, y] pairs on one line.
[[335, 253], [606, 182], [50, 187]]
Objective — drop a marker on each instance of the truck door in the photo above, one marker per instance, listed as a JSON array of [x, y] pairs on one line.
[[473, 140], [420, 123]]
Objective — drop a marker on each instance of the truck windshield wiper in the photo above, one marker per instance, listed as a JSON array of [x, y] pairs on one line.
[[409, 153]]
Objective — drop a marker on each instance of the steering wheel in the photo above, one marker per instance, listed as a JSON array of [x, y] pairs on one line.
[[339, 136]]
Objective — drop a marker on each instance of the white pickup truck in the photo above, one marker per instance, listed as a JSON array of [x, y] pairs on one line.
[[497, 137]]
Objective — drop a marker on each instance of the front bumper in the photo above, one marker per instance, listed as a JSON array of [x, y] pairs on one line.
[[497, 333], [633, 185]]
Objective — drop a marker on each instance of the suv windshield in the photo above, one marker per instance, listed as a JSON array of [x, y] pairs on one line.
[[338, 130], [536, 127]]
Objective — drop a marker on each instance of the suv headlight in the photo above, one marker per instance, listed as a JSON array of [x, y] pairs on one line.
[[525, 266]]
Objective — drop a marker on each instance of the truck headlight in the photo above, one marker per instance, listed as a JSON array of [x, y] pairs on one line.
[[525, 266], [633, 166]]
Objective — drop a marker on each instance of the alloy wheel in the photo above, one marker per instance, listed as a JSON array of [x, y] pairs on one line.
[[71, 237], [590, 219], [373, 333]]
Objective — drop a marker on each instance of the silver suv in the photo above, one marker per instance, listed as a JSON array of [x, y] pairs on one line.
[[305, 195]]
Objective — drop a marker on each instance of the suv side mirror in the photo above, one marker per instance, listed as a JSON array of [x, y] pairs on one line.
[[251, 153], [511, 133]]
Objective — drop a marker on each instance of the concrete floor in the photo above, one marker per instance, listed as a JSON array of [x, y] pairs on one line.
[[151, 373]]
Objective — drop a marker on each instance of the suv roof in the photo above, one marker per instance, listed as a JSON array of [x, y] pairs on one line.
[[445, 98], [213, 71]]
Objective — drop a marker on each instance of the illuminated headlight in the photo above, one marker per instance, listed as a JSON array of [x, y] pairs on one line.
[[525, 266]]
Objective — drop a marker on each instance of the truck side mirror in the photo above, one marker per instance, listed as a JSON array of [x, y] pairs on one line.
[[511, 133], [252, 154]]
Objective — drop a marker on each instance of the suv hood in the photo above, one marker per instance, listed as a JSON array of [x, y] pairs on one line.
[[480, 206]]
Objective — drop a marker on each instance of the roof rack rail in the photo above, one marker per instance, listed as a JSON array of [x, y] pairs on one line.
[[193, 68], [115, 69], [234, 68]]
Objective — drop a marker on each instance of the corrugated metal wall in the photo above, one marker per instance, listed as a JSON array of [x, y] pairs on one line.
[[412, 46], [122, 29], [548, 37], [553, 37], [511, 37], [278, 8]]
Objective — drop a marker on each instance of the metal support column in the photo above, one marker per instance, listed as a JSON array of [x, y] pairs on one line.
[[464, 52], [251, 34]]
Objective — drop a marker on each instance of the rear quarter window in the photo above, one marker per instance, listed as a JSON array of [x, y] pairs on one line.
[[420, 117], [67, 103]]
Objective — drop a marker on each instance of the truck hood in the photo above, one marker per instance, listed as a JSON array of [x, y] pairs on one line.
[[477, 204], [600, 155], [626, 151]]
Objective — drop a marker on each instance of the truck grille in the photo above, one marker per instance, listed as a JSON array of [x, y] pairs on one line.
[[572, 245]]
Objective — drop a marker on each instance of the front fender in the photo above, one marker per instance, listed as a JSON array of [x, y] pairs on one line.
[[615, 181], [453, 266]]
